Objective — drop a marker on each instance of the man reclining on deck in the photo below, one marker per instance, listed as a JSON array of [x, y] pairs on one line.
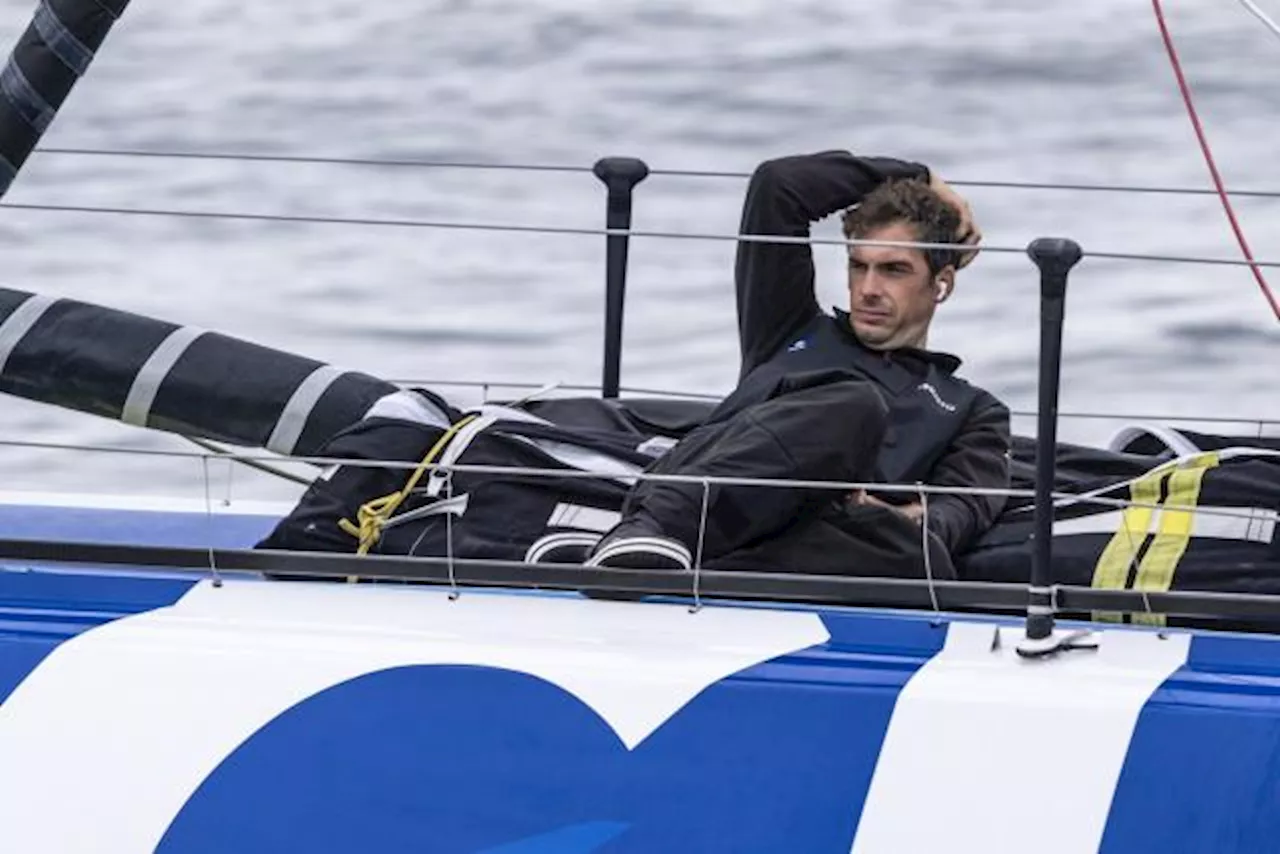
[[854, 397], [850, 398]]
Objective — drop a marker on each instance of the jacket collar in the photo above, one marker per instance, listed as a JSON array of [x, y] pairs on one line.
[[945, 362]]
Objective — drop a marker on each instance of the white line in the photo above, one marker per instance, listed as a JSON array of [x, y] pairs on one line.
[[19, 323], [991, 752], [142, 394], [293, 420]]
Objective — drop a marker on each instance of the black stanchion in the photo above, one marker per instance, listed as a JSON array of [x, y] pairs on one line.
[[1055, 257], [620, 176]]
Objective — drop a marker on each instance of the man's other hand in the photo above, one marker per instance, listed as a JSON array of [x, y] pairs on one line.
[[913, 511]]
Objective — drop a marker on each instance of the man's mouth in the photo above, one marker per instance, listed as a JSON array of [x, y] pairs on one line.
[[873, 317]]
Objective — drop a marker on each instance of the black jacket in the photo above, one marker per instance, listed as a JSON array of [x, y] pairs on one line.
[[942, 430]]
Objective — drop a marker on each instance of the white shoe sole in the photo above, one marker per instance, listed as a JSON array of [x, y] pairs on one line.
[[663, 547], [564, 539]]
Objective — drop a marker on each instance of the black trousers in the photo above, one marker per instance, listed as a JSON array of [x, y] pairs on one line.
[[817, 427]]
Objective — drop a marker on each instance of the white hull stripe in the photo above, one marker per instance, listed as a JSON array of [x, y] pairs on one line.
[[1255, 524], [142, 394], [955, 772], [293, 420], [160, 699], [19, 323]]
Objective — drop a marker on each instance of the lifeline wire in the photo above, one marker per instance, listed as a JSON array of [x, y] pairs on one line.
[[208, 515], [488, 385], [253, 464], [1185, 89], [702, 534], [304, 159], [454, 592], [619, 232], [660, 478], [924, 544]]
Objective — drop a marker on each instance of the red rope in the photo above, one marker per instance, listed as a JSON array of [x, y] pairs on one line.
[[1208, 157]]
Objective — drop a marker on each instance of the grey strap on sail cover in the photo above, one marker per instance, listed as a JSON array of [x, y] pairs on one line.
[[293, 420], [53, 53], [19, 323], [182, 379], [146, 384]]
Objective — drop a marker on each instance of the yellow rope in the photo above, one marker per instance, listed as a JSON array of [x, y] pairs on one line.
[[373, 515]]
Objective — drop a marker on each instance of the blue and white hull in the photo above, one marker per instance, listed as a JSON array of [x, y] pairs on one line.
[[154, 711]]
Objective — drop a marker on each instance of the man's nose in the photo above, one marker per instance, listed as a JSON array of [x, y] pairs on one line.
[[872, 286]]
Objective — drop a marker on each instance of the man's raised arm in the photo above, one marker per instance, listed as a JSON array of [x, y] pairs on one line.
[[775, 281]]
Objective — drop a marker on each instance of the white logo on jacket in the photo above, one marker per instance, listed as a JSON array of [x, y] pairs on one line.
[[937, 398]]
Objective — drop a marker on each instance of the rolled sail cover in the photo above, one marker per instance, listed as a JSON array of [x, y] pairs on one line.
[[54, 52], [181, 379]]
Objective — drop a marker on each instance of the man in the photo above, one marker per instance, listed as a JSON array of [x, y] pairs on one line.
[[854, 397], [850, 398]]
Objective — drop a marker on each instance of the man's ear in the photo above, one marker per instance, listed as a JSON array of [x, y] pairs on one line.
[[944, 283]]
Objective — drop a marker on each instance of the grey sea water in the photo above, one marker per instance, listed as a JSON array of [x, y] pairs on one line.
[[980, 90]]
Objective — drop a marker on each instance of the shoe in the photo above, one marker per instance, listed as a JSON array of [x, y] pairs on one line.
[[635, 544], [562, 547]]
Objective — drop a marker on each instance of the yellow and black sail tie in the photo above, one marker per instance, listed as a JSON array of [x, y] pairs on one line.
[[1137, 558]]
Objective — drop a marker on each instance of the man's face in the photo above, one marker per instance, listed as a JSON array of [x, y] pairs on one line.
[[891, 292]]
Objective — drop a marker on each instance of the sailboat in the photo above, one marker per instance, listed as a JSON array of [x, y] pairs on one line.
[[1104, 678]]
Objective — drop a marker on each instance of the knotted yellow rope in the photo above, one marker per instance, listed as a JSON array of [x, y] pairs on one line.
[[373, 515]]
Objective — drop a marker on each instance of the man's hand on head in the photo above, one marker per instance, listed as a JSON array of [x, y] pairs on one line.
[[968, 233]]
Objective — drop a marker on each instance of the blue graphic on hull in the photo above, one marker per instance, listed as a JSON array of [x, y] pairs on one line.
[[464, 759], [1216, 719], [579, 839], [41, 610]]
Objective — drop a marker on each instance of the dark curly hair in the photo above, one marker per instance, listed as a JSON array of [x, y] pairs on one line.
[[911, 201]]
